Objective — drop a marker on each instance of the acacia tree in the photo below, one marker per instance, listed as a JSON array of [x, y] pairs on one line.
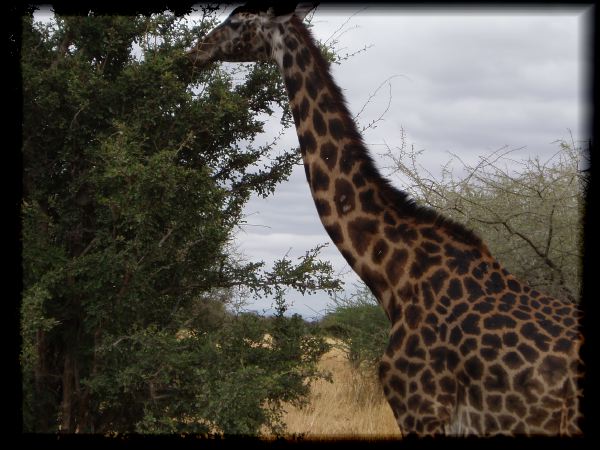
[[529, 212], [136, 170]]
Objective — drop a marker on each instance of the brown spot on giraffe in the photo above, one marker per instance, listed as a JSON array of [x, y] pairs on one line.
[[472, 350], [329, 154], [344, 197]]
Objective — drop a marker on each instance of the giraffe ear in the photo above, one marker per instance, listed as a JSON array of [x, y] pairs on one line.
[[283, 13], [302, 9]]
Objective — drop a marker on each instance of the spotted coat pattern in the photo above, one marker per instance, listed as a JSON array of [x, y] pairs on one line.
[[472, 350]]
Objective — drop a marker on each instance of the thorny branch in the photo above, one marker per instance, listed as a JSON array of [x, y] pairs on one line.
[[341, 27], [371, 96]]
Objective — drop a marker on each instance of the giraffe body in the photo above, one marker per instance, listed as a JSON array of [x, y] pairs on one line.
[[472, 350]]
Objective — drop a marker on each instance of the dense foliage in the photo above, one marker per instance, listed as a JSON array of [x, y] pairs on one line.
[[136, 170]]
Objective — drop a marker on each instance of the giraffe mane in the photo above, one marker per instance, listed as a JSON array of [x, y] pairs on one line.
[[401, 202]]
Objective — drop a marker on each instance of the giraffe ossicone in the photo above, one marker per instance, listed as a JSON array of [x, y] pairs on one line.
[[472, 350]]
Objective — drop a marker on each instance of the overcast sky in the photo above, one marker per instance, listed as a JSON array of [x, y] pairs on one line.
[[467, 81], [464, 81]]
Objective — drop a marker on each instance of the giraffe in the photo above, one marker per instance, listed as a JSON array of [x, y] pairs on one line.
[[472, 350]]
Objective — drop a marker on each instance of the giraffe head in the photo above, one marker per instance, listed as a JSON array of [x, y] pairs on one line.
[[251, 33]]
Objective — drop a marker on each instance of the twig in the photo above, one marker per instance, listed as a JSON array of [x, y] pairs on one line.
[[166, 236], [88, 248], [343, 25]]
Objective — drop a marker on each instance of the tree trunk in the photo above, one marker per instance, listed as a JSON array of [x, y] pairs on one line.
[[40, 383], [68, 391]]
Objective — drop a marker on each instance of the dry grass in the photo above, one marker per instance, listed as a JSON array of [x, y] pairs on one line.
[[353, 406]]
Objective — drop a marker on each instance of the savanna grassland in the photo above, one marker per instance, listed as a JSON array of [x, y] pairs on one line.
[[351, 406]]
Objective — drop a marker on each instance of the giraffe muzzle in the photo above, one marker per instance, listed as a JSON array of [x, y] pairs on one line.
[[201, 55]]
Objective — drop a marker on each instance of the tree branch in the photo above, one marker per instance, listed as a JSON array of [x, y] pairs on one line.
[[549, 240], [63, 48]]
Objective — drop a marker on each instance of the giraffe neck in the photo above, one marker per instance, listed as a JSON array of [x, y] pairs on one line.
[[375, 226]]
